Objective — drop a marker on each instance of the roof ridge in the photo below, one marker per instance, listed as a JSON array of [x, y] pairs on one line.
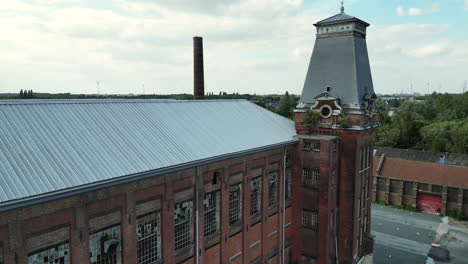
[[106, 101]]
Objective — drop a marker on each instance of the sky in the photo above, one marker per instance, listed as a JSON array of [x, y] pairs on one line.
[[250, 46]]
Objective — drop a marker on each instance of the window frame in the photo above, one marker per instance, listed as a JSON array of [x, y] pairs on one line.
[[212, 212], [235, 204], [148, 239], [188, 243]]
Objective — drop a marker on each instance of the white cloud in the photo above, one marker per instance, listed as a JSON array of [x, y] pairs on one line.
[[250, 46], [433, 49], [414, 11], [400, 11]]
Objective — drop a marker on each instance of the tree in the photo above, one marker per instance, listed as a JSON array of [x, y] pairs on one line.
[[21, 94], [286, 106], [438, 122]]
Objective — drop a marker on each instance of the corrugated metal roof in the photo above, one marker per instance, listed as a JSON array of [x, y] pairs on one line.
[[51, 145], [342, 63]]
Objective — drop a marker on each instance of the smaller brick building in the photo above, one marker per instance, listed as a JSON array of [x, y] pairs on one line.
[[433, 182]]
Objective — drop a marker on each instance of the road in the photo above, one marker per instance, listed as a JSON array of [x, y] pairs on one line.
[[405, 237]]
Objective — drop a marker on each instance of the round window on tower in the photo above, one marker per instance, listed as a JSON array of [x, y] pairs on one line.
[[325, 111]]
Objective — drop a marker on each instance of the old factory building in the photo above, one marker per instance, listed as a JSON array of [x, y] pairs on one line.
[[200, 181], [433, 182]]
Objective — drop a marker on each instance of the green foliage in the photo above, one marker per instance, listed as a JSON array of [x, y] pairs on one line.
[[26, 94], [286, 106], [343, 122], [439, 123], [404, 207], [456, 214], [260, 103], [311, 119]]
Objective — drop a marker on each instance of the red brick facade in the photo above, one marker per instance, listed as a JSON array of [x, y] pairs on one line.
[[405, 182], [81, 215], [343, 198]]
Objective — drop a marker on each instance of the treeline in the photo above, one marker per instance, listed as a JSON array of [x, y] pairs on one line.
[[221, 95], [438, 122], [26, 94]]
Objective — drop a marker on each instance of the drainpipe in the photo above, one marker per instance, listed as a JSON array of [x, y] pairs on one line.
[[283, 206], [197, 250]]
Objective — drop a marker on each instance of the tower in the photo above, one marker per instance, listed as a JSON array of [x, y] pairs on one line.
[[336, 120]]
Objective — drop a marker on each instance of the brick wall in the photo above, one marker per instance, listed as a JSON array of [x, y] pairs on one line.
[[82, 214]]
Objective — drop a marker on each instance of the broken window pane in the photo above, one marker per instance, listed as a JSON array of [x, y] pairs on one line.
[[272, 189], [311, 177], [105, 246], [235, 203], [183, 225], [211, 213], [57, 254], [310, 219], [256, 196], [149, 238]]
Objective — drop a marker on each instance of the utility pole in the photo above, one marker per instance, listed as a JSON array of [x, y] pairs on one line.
[[97, 86]]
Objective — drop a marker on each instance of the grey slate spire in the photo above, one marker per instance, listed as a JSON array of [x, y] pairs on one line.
[[339, 61]]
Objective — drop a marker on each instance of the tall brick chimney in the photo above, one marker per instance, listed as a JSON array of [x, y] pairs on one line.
[[198, 75]]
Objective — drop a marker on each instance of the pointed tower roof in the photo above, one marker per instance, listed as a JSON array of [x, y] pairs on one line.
[[340, 61], [339, 18]]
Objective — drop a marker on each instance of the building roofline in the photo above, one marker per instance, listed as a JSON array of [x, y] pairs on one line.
[[354, 19], [106, 101], [65, 193]]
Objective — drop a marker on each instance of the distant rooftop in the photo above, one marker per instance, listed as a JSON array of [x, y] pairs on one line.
[[50, 147], [424, 156]]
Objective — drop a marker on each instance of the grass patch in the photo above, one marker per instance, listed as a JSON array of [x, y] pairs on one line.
[[404, 207], [454, 213]]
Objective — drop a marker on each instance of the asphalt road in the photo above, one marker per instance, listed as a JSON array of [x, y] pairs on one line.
[[405, 237]]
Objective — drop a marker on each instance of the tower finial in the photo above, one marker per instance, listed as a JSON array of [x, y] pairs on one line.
[[342, 7]]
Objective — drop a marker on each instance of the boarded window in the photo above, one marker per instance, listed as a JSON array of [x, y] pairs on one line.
[[149, 238], [424, 187], [452, 195], [287, 187], [256, 196], [56, 254], [381, 183], [310, 219], [105, 246], [211, 213], [235, 203], [408, 188], [312, 145], [437, 189], [311, 177], [272, 189], [183, 225], [394, 186]]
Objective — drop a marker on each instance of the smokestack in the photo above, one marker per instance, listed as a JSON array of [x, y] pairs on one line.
[[198, 75]]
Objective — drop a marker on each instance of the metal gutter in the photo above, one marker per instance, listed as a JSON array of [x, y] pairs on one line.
[[42, 198]]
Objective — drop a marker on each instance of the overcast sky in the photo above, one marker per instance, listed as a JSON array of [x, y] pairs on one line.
[[250, 46]]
